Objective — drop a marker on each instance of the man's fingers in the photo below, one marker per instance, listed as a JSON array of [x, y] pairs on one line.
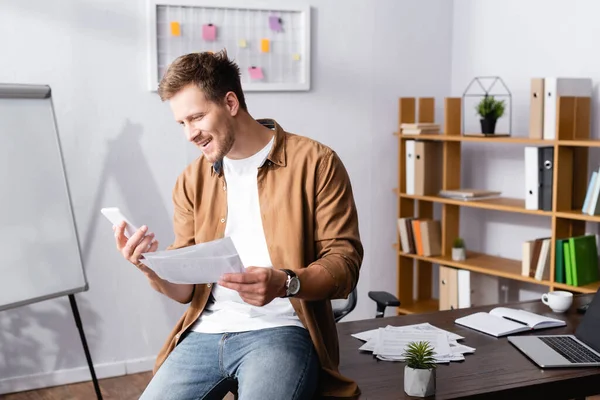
[[153, 246], [120, 238], [250, 288], [133, 241], [142, 247], [241, 278]]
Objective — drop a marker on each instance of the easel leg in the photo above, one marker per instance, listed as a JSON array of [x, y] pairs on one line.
[[85, 346]]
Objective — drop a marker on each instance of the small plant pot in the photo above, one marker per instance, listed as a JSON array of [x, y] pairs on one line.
[[488, 125], [419, 382], [459, 254]]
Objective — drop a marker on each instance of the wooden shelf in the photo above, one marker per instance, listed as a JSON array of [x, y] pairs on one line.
[[570, 170], [591, 288], [482, 263], [579, 143], [419, 306], [478, 139], [499, 204], [578, 215]]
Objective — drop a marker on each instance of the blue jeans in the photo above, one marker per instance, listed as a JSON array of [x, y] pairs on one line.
[[276, 363]]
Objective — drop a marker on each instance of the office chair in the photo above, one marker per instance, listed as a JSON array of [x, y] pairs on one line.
[[343, 307], [383, 300]]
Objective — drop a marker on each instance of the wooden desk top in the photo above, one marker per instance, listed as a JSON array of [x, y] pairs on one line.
[[497, 370]]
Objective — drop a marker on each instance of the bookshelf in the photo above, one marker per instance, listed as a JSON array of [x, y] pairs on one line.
[[571, 152]]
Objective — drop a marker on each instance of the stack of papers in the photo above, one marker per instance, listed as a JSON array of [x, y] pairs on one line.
[[202, 263], [389, 343]]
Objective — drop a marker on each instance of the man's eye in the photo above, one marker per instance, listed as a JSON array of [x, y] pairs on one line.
[[198, 117]]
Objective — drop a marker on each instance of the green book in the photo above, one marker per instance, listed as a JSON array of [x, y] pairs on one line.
[[559, 266], [568, 269], [584, 259]]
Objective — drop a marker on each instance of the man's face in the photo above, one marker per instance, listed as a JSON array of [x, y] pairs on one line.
[[206, 124]]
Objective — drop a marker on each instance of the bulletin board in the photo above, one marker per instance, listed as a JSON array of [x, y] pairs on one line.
[[269, 41]]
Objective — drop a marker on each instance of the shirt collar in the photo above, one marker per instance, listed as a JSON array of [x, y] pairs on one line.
[[277, 155]]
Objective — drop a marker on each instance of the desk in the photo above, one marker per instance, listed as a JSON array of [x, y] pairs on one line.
[[497, 370]]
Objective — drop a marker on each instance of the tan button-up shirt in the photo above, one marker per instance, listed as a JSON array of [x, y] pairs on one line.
[[309, 217]]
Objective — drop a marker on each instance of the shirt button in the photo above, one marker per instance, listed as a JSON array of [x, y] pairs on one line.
[[209, 285], [222, 220]]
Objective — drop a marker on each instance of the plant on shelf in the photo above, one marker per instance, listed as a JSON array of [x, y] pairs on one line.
[[459, 253], [489, 109], [419, 373]]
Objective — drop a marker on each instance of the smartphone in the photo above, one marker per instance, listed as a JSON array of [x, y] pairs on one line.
[[115, 216]]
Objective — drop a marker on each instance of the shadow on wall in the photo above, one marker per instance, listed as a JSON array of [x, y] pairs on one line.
[[126, 164], [29, 333]]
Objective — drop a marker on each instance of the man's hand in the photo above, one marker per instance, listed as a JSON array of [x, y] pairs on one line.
[[257, 286], [132, 248]]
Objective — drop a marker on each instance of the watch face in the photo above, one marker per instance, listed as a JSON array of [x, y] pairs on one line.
[[294, 286]]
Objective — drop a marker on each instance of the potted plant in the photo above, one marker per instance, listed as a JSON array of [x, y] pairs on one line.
[[459, 253], [419, 372], [489, 109]]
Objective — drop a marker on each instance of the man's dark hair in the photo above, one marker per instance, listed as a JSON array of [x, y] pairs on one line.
[[215, 74]]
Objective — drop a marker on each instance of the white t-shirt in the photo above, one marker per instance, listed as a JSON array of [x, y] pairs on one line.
[[226, 311]]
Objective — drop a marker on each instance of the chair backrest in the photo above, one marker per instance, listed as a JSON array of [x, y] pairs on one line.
[[343, 307]]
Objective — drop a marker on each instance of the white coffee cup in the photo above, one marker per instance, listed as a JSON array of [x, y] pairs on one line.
[[559, 301]]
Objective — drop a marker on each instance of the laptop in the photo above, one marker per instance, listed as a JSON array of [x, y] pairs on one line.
[[579, 350]]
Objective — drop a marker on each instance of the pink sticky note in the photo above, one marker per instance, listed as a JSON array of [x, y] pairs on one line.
[[255, 72], [209, 32], [275, 23]]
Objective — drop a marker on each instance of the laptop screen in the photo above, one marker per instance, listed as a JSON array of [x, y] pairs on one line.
[[589, 328]]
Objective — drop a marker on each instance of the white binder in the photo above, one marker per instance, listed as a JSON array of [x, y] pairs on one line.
[[556, 87], [410, 167], [532, 178]]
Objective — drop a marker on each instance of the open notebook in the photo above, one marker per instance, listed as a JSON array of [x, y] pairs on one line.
[[503, 321]]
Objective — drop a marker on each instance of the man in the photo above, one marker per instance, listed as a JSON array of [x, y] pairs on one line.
[[287, 204]]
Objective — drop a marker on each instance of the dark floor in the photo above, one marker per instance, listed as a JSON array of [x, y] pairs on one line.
[[128, 387]]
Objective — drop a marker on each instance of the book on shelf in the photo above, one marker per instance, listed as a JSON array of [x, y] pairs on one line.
[[469, 194], [539, 166], [420, 128], [591, 205], [423, 167], [502, 321], [420, 236], [536, 259], [578, 263]]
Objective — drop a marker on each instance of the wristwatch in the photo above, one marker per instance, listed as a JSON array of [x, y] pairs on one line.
[[292, 284]]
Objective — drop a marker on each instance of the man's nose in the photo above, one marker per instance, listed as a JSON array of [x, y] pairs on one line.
[[190, 132]]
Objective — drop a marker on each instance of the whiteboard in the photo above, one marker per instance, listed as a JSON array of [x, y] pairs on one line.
[[39, 248], [177, 27]]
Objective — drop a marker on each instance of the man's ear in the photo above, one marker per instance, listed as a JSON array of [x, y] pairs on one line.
[[232, 103]]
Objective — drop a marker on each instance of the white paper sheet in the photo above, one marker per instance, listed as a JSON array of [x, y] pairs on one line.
[[389, 343], [201, 263]]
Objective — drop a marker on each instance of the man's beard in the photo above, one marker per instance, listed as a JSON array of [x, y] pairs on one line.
[[224, 148]]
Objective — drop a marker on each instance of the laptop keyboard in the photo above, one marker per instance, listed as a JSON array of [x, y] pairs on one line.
[[570, 349]]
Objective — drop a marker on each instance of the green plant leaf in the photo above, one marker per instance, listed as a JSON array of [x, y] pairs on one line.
[[459, 243], [489, 107], [419, 355]]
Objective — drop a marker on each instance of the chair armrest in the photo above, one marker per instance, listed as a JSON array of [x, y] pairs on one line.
[[384, 299]]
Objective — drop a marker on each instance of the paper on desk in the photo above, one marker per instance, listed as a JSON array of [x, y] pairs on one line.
[[426, 326], [201, 263], [395, 339], [391, 343]]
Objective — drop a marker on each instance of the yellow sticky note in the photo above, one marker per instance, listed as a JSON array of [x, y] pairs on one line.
[[296, 57], [264, 45], [242, 43], [175, 29]]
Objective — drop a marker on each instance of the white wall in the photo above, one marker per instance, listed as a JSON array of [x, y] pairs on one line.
[[517, 40], [122, 148]]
